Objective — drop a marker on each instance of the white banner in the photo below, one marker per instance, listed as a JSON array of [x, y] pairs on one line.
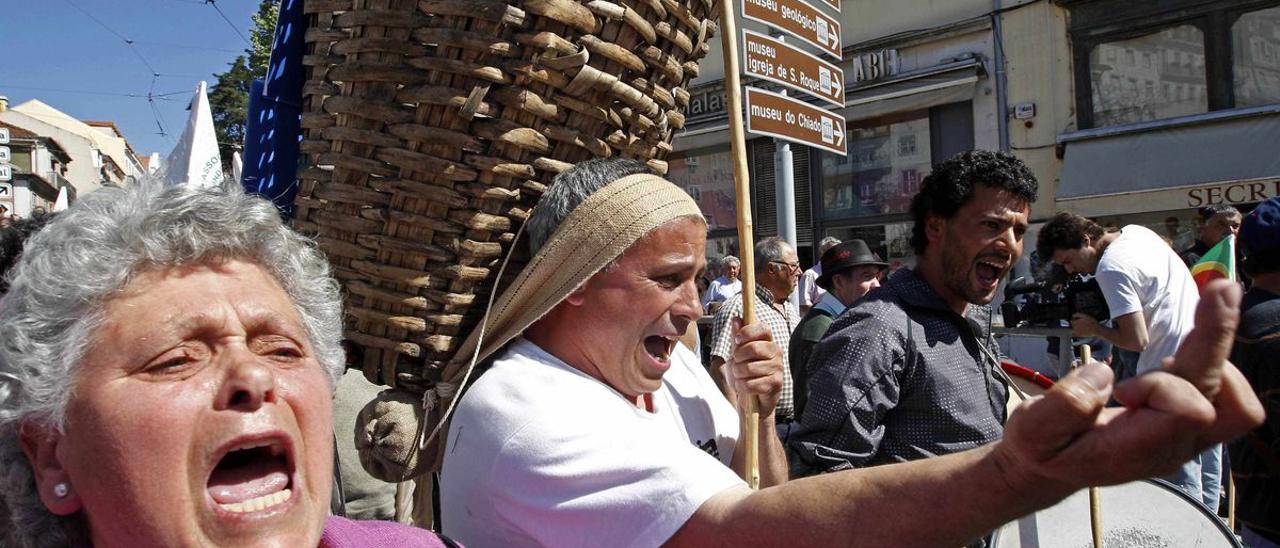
[[195, 159]]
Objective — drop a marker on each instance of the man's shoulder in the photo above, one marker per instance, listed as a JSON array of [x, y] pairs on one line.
[[814, 325], [876, 313], [503, 399], [1259, 314]]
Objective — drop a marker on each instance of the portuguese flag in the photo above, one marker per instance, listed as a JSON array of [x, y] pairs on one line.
[[1218, 262]]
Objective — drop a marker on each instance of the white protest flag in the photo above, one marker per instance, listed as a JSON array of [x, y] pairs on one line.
[[61, 203], [237, 166], [195, 159]]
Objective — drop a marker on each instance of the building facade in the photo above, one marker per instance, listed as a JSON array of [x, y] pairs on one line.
[[1178, 107], [1127, 111], [100, 156], [39, 165], [924, 80]]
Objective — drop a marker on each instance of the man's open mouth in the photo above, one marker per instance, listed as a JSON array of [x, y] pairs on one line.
[[989, 271], [252, 475], [660, 347]]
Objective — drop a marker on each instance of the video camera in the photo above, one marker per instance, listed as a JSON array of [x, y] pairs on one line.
[[1051, 302]]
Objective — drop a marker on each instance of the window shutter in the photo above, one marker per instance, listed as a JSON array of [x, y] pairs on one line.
[[763, 196]]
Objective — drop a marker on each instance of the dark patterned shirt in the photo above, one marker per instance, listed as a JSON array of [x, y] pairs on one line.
[[899, 377], [1255, 457]]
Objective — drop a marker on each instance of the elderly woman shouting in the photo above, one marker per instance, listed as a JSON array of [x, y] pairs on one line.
[[167, 363]]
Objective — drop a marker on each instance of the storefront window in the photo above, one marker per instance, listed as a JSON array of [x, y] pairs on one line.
[[892, 241], [1160, 75], [708, 177], [883, 170], [1256, 57]]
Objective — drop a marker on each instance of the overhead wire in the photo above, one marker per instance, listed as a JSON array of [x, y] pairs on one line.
[[214, 3], [132, 44]]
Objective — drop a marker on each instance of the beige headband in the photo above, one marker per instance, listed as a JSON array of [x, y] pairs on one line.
[[599, 230], [595, 233]]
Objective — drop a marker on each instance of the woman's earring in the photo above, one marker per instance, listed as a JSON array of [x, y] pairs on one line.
[[60, 490]]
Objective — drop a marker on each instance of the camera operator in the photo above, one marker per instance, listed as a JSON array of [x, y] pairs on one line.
[[1152, 300]]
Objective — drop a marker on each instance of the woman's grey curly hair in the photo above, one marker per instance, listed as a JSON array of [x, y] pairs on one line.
[[90, 252]]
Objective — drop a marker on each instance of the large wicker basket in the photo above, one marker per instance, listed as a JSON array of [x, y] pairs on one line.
[[433, 126]]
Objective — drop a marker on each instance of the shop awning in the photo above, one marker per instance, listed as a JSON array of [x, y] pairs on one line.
[[916, 90], [1216, 147]]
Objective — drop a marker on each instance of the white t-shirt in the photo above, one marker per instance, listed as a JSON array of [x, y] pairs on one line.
[[1139, 271], [720, 290], [539, 453], [810, 293]]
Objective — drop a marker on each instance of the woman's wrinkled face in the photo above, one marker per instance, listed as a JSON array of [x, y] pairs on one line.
[[200, 416]]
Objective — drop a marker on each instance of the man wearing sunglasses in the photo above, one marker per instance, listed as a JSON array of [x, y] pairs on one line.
[[777, 272]]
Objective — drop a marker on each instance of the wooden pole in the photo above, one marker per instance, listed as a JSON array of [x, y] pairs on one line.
[[1095, 494], [742, 189]]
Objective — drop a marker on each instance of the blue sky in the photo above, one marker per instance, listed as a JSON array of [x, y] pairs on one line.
[[52, 51]]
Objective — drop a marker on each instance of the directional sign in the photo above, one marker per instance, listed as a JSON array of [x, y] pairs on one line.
[[777, 115], [4, 135], [798, 18], [6, 192], [776, 61], [6, 174], [4, 155]]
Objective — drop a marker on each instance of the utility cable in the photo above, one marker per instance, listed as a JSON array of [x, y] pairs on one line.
[[214, 3]]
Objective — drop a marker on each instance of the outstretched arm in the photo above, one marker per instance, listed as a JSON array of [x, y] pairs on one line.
[[1050, 449]]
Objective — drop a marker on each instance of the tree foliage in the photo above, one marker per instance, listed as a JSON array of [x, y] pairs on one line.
[[229, 95]]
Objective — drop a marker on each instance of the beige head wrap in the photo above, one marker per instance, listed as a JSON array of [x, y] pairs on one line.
[[595, 233]]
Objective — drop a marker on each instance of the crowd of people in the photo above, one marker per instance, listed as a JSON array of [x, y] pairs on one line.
[[168, 360]]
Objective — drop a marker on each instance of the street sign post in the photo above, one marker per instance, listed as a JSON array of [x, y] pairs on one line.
[[777, 61], [783, 117], [798, 18]]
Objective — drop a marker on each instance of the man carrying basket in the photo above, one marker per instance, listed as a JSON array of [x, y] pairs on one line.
[[594, 428]]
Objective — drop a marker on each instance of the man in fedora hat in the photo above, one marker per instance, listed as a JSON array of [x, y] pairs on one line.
[[587, 428], [849, 270]]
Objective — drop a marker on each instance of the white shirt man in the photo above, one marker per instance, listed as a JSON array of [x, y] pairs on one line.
[[611, 328]]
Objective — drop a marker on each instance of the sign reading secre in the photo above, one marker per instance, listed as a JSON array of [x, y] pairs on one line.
[[780, 116], [776, 61], [798, 18]]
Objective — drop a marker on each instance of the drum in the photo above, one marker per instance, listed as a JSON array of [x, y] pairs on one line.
[[1025, 381], [1142, 514]]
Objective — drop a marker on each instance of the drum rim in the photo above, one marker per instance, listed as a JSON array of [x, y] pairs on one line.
[[1233, 539]]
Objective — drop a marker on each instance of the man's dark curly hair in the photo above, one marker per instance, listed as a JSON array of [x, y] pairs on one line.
[[951, 185], [1066, 231]]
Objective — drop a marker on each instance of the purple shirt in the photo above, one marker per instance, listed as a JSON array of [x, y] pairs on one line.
[[343, 532]]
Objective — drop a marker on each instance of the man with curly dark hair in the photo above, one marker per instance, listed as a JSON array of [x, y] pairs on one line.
[[910, 371]]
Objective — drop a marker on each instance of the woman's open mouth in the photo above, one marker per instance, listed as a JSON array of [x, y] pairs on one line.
[[253, 475]]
